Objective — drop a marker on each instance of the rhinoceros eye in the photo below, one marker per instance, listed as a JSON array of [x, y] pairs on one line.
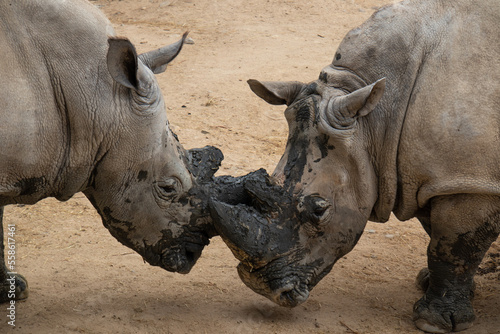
[[168, 188]]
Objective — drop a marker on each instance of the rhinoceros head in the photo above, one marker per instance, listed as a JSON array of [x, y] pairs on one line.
[[143, 183], [314, 207]]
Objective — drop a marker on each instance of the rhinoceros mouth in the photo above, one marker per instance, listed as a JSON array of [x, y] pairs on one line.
[[177, 254], [291, 294], [287, 290], [182, 259], [286, 284]]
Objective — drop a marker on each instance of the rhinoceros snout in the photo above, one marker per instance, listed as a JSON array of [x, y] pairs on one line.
[[287, 290], [291, 294], [181, 260]]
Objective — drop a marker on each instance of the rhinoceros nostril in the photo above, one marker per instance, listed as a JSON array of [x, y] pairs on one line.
[[313, 207], [320, 206]]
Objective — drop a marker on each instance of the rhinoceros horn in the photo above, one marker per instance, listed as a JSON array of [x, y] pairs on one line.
[[204, 162], [255, 229]]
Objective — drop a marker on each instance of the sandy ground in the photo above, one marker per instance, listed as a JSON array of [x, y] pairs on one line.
[[84, 281]]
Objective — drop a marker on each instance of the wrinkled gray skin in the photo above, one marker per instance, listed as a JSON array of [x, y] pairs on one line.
[[81, 111], [404, 120]]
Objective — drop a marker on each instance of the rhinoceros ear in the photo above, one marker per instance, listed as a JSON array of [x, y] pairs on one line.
[[122, 62], [342, 111], [157, 60], [276, 92]]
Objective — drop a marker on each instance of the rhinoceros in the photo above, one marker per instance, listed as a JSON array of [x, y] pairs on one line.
[[406, 119], [82, 112]]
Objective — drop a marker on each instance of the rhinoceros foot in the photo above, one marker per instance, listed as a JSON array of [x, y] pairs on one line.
[[422, 282], [14, 283], [444, 313]]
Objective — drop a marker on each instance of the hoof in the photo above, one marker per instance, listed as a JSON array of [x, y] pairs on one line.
[[427, 327], [443, 315], [15, 285]]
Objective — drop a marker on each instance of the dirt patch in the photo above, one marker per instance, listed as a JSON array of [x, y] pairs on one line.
[[83, 281]]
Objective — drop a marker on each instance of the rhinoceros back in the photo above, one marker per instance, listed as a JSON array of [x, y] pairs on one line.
[[438, 124], [53, 72]]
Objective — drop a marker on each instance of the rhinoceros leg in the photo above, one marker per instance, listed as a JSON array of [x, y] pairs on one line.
[[462, 229], [10, 282], [422, 280]]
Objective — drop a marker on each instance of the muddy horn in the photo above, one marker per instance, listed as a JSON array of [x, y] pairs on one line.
[[250, 220], [204, 162]]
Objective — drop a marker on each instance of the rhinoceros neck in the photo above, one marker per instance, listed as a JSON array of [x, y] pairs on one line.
[[55, 117], [387, 45]]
